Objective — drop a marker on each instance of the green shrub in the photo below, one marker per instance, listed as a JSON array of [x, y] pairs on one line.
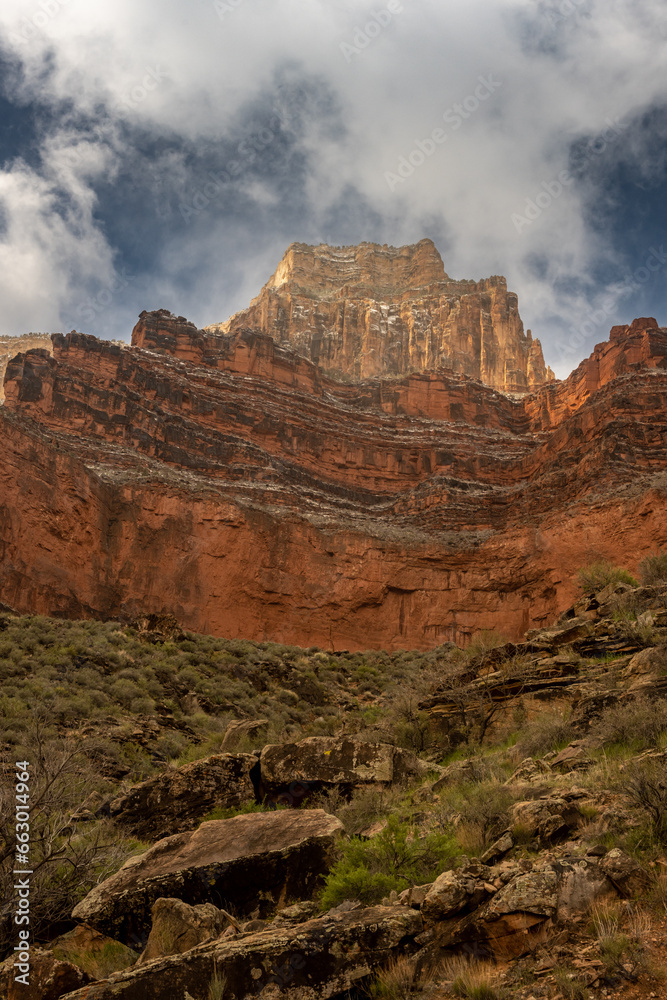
[[217, 987], [396, 982], [395, 859], [484, 641], [637, 725], [548, 731], [653, 569], [483, 810], [67, 858], [599, 575]]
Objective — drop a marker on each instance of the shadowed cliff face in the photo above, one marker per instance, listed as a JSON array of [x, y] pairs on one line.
[[371, 310], [227, 480], [10, 346]]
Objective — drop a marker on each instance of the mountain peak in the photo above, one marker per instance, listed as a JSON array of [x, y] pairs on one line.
[[371, 309]]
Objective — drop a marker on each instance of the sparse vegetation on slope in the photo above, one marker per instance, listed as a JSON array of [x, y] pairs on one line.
[[549, 749]]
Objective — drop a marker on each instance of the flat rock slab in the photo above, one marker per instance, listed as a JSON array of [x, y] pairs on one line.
[[175, 800], [334, 761], [316, 960], [249, 861]]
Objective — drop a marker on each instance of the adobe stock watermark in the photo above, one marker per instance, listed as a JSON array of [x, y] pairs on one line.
[[551, 190], [454, 117], [224, 7], [102, 130], [655, 261], [564, 10], [22, 871], [34, 23], [364, 35], [89, 310]]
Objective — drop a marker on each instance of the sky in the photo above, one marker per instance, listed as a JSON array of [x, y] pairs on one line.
[[164, 154]]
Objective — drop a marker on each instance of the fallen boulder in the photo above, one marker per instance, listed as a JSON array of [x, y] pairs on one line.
[[245, 863], [498, 849], [178, 927], [448, 894], [574, 757], [582, 884], [94, 953], [48, 977], [237, 731], [316, 960], [550, 818], [535, 892], [328, 760], [626, 874], [175, 800]]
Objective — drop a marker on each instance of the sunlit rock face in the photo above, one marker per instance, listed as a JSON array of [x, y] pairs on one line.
[[369, 310], [227, 480]]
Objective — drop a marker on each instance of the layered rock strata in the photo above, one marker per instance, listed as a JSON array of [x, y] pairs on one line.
[[369, 310], [226, 480]]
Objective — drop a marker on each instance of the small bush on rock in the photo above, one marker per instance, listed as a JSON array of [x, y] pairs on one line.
[[653, 569], [549, 731], [637, 725], [599, 575], [396, 982], [570, 984], [646, 783]]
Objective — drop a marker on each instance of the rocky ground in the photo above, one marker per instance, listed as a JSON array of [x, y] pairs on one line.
[[218, 819]]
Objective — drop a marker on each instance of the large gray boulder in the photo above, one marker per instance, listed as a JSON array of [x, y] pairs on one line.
[[175, 800], [332, 760], [245, 863], [446, 896], [178, 927]]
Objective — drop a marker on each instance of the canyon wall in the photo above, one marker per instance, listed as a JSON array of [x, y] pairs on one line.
[[369, 310], [226, 479], [9, 346]]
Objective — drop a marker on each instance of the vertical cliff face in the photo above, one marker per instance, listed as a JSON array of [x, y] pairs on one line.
[[10, 346], [228, 481], [370, 310]]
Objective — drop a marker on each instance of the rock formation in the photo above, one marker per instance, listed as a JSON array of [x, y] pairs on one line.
[[226, 480], [269, 857], [317, 960], [10, 346], [171, 802], [371, 310]]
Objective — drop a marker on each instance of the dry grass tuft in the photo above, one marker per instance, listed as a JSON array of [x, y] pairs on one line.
[[471, 979]]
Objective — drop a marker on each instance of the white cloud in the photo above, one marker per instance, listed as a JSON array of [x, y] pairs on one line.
[[178, 68], [51, 250]]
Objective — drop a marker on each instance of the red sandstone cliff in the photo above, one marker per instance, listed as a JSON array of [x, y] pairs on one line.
[[228, 480], [9, 346], [371, 310]]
